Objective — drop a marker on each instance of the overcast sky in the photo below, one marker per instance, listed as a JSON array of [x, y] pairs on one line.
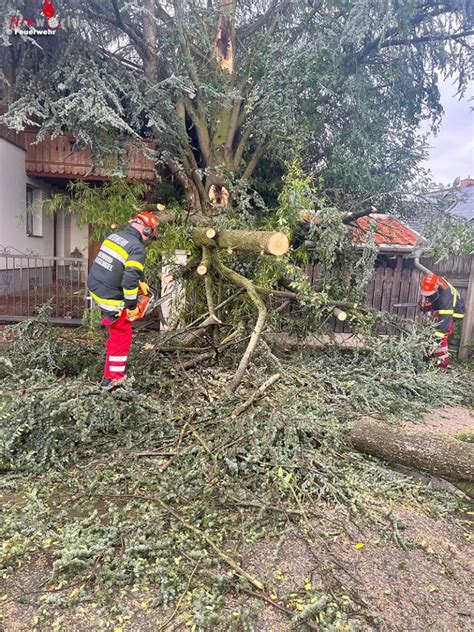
[[452, 150]]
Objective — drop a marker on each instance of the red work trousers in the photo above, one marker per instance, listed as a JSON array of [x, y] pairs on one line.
[[441, 354], [117, 346]]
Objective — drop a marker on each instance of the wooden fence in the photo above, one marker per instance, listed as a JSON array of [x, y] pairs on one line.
[[396, 280]]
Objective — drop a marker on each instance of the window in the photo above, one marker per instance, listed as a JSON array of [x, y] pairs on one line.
[[34, 212]]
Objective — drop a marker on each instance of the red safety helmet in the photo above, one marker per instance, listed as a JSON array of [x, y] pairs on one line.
[[429, 284], [150, 222]]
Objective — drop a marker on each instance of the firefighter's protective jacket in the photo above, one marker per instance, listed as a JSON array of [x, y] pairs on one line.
[[446, 304], [116, 271]]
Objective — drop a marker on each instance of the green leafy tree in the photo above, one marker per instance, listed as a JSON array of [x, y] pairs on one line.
[[100, 207], [221, 86]]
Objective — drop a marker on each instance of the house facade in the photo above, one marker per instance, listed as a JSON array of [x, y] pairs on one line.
[[25, 225], [39, 250]]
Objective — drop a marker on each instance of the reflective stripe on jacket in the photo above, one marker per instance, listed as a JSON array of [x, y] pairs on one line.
[[117, 269], [447, 305]]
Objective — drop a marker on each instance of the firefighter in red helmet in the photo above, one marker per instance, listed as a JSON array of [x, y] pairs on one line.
[[115, 280], [441, 298]]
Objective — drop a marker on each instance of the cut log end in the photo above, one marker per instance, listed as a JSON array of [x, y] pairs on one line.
[[339, 314], [211, 233], [201, 269], [278, 244]]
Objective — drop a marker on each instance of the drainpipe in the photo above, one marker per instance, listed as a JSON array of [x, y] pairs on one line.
[[55, 249], [418, 265]]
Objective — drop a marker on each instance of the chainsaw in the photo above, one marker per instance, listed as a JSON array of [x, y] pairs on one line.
[[148, 302], [421, 304]]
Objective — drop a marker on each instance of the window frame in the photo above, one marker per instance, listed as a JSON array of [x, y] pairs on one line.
[[30, 194]]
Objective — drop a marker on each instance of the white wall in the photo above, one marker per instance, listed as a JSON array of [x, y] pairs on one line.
[[69, 236], [79, 237], [13, 181]]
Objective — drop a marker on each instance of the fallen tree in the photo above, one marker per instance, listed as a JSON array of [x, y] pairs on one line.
[[269, 458], [437, 454], [263, 242], [259, 241]]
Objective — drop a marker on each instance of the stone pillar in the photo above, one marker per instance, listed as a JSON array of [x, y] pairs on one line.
[[174, 306]]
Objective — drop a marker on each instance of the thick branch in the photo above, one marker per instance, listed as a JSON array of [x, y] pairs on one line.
[[239, 152], [440, 37], [348, 219], [150, 59], [205, 265], [118, 23], [438, 454], [242, 281], [272, 243], [189, 187], [247, 31], [199, 122], [250, 168], [377, 42], [187, 151], [232, 130]]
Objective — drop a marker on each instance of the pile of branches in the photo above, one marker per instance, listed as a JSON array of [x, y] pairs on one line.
[[53, 409], [183, 460]]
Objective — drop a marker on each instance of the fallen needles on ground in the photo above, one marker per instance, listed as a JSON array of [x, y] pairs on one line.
[[119, 484]]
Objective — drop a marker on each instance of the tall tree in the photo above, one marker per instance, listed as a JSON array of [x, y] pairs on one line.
[[230, 89], [222, 85]]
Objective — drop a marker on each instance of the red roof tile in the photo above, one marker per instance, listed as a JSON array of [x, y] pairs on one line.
[[388, 231]]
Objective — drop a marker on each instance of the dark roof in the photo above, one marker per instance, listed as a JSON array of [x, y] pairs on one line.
[[464, 205], [459, 202]]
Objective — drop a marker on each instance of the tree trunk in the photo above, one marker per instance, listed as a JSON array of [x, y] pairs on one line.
[[267, 242], [437, 454]]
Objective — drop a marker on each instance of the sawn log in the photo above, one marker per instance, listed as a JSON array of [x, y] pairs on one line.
[[440, 455], [259, 241]]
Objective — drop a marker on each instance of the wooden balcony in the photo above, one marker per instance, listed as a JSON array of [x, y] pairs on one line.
[[55, 158]]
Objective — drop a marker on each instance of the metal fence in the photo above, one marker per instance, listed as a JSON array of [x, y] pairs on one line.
[[28, 281]]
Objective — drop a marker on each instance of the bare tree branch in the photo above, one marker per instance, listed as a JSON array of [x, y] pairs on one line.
[[254, 160], [426, 38]]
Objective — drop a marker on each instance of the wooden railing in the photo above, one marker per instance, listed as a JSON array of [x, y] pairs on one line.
[[55, 158]]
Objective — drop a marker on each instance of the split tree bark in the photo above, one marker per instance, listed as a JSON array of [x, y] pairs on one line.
[[437, 454]]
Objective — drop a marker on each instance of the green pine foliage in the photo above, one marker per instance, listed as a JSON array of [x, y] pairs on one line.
[[345, 84], [97, 475]]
